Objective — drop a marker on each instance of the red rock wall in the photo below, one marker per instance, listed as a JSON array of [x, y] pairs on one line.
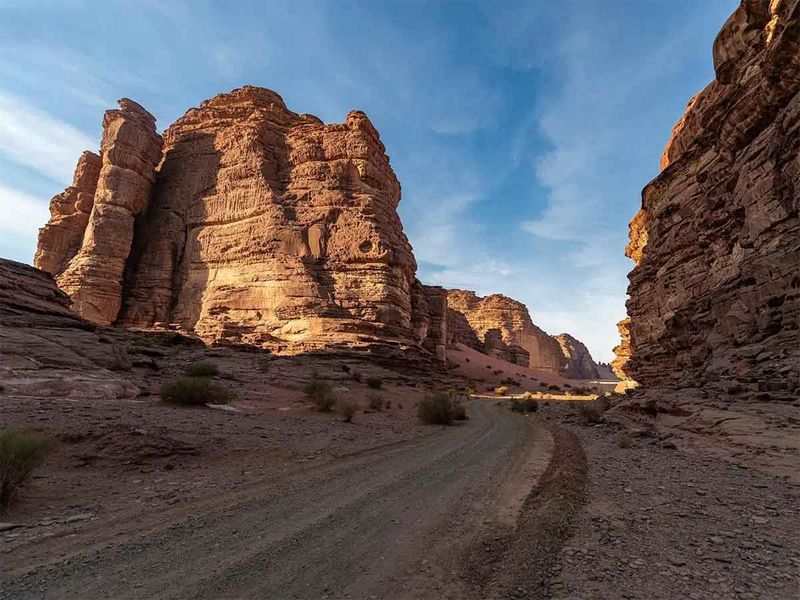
[[513, 321], [267, 227], [130, 150], [715, 294]]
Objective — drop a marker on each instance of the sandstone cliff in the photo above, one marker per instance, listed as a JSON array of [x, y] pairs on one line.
[[512, 320], [578, 363], [253, 224], [715, 293]]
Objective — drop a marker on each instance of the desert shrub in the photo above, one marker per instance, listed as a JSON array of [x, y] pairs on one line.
[[459, 411], [348, 408], [590, 413], [21, 451], [525, 405], [625, 440], [194, 390], [375, 401], [201, 369], [554, 387], [289, 213], [436, 409], [510, 381], [356, 375], [389, 404], [603, 403], [375, 383], [320, 393], [501, 391], [346, 368]]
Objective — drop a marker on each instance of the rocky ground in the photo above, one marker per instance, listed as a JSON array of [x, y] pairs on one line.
[[663, 523]]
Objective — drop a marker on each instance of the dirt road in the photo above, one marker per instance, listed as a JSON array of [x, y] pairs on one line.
[[388, 523]]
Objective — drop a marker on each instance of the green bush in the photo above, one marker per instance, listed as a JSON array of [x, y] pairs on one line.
[[375, 401], [21, 451], [201, 369], [348, 409], [441, 409], [320, 393], [194, 390], [375, 383]]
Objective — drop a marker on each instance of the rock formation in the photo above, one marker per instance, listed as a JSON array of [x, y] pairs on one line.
[[578, 363], [61, 238], [259, 226], [130, 150], [513, 321], [46, 350], [715, 293]]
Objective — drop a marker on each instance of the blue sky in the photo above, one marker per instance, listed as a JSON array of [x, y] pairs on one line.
[[522, 132]]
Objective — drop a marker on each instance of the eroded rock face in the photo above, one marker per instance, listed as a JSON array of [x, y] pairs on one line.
[[46, 350], [261, 226], [578, 362], [61, 238], [715, 294], [92, 277], [513, 321]]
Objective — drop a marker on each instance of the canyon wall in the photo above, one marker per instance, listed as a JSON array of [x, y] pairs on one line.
[[578, 363], [715, 293], [249, 224]]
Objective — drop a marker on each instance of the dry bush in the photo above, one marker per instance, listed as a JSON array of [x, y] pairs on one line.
[[375, 401], [554, 387], [526, 405], [201, 369], [320, 393], [348, 408], [501, 391], [194, 391], [625, 440], [21, 451], [440, 409], [590, 412]]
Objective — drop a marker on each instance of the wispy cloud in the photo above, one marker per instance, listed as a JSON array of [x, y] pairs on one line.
[[23, 213], [36, 139]]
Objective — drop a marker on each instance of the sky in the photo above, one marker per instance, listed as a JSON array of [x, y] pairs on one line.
[[522, 132]]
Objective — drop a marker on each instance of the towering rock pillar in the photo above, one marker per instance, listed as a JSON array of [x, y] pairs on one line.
[[62, 237], [130, 150]]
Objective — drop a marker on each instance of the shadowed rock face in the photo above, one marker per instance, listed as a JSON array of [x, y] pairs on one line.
[[259, 226], [578, 362], [512, 320], [714, 297]]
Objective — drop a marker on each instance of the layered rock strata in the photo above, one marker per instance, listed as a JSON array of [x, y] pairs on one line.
[[262, 226], [92, 277], [715, 293], [512, 320], [493, 345], [61, 238]]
